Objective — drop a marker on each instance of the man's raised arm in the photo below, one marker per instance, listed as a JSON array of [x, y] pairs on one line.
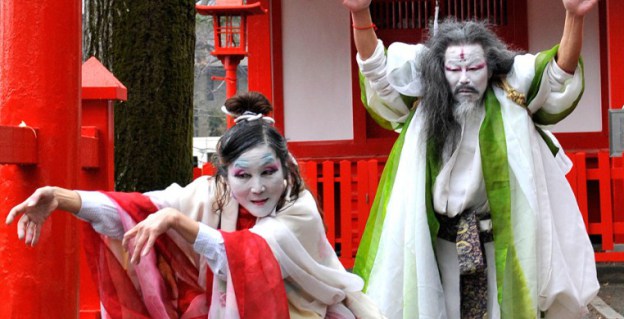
[[572, 38], [363, 28]]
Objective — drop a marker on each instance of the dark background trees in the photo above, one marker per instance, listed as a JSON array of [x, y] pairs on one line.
[[149, 46]]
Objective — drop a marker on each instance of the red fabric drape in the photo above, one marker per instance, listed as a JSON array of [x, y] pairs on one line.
[[117, 292], [256, 275]]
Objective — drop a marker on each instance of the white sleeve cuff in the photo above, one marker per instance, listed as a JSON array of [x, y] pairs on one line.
[[209, 243], [100, 211], [378, 59], [558, 77], [374, 70]]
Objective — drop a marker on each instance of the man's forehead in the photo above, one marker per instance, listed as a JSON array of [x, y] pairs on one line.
[[464, 52]]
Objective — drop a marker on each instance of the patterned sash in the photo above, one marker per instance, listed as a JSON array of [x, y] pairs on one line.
[[464, 231]]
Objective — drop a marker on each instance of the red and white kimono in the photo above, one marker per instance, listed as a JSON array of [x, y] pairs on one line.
[[281, 267]]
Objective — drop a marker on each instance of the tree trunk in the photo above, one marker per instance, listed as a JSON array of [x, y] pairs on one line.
[[151, 51]]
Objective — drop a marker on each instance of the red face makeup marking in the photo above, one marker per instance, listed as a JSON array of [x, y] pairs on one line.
[[477, 67], [465, 67]]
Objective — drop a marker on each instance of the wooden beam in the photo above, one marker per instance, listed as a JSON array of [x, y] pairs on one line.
[[18, 145]]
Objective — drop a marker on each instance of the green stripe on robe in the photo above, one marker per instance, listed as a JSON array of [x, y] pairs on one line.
[[541, 116], [367, 251], [513, 292]]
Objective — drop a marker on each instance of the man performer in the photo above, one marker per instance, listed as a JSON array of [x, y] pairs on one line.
[[474, 217]]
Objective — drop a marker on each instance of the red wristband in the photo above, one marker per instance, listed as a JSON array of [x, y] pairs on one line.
[[371, 26]]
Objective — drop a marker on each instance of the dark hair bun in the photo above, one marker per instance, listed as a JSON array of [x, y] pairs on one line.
[[251, 101]]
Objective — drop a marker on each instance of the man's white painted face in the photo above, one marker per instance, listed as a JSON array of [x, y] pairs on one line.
[[256, 179], [466, 71]]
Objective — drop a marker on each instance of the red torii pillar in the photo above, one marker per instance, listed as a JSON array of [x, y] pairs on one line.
[[39, 85]]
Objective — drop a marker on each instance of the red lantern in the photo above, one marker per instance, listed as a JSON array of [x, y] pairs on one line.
[[230, 32]]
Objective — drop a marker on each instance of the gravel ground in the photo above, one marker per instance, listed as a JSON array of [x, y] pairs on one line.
[[593, 314]]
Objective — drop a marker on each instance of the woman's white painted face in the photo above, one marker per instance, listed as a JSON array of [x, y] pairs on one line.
[[256, 179], [466, 71]]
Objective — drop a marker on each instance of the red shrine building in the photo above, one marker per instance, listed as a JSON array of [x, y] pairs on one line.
[[308, 70], [308, 67], [301, 56]]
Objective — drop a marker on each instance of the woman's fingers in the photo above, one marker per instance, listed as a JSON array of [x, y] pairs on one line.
[[30, 233], [36, 233], [127, 237], [34, 198], [22, 226], [140, 243], [29, 206], [143, 236], [11, 216], [148, 245], [14, 212]]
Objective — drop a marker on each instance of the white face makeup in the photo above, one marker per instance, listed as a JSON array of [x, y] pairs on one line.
[[256, 179], [466, 71]]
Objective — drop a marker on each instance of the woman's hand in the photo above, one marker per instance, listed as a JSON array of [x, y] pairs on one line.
[[579, 7], [141, 238], [356, 5], [34, 210]]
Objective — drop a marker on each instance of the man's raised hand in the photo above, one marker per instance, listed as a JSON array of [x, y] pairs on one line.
[[356, 5], [579, 7]]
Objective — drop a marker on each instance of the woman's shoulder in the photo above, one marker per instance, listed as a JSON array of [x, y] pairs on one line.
[[304, 203]]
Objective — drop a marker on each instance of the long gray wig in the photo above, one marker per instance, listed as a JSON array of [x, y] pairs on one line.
[[438, 101]]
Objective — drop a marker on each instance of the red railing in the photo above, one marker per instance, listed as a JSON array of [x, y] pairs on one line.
[[598, 183], [345, 191]]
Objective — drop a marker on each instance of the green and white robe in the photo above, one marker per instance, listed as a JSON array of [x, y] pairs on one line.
[[543, 258]]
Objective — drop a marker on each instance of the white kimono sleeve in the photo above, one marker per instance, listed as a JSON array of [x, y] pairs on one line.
[[193, 201], [389, 77]]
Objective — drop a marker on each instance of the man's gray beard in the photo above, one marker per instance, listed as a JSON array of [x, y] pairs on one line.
[[462, 110]]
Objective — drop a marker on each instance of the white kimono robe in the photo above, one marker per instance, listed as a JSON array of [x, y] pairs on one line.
[[544, 261]]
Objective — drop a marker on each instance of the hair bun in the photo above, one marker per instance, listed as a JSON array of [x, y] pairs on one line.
[[248, 102]]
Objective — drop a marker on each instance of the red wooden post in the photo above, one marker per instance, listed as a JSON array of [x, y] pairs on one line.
[[262, 54], [606, 211], [572, 174], [363, 197], [230, 64], [617, 173], [580, 162], [615, 68], [100, 90], [329, 200], [40, 85], [310, 175], [373, 182], [346, 215], [615, 51]]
